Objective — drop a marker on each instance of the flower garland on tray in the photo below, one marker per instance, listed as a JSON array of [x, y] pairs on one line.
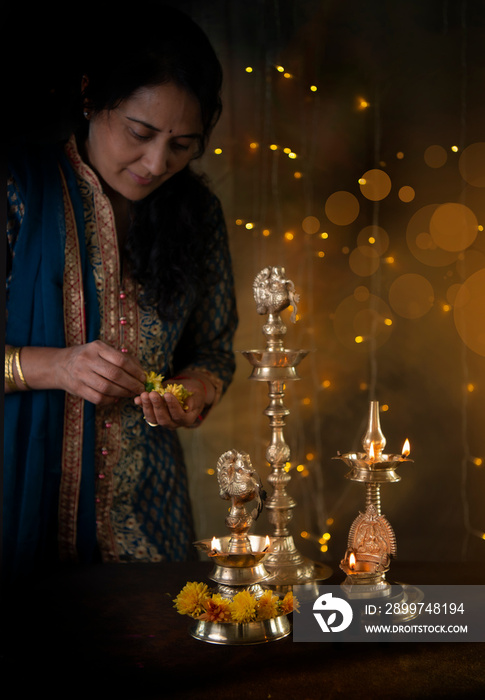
[[195, 599]]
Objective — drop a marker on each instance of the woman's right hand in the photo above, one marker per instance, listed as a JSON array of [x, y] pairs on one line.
[[94, 371]]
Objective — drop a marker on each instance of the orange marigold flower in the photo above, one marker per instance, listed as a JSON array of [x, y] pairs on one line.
[[191, 599], [243, 607], [289, 604], [267, 606], [217, 609]]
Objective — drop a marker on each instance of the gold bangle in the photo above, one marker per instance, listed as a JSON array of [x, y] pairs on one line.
[[19, 368], [9, 376]]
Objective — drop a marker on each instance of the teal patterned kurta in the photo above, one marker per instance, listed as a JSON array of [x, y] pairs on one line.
[[143, 509]]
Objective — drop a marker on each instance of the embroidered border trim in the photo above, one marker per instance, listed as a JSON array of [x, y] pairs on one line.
[[75, 333]]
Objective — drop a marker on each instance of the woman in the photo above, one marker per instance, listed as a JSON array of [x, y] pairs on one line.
[[119, 266]]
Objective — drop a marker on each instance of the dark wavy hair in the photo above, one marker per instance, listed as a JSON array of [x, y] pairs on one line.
[[167, 239]]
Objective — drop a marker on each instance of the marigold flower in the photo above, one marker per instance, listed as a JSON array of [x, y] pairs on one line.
[[243, 607], [267, 606], [288, 604], [191, 599], [153, 381], [217, 609], [180, 393]]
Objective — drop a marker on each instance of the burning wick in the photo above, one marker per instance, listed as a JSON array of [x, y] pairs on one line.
[[214, 544], [266, 544], [406, 448], [352, 561]]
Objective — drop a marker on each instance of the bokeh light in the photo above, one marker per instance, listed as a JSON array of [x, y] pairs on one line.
[[364, 260], [420, 242], [375, 236], [342, 208], [411, 295], [375, 184], [453, 226], [406, 193], [435, 156], [472, 164], [469, 312], [361, 317], [310, 224]]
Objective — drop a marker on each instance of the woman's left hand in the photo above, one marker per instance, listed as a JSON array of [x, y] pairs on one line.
[[166, 410]]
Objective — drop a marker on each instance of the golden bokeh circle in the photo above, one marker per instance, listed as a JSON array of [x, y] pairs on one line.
[[411, 295], [472, 164], [361, 293], [468, 312], [420, 242], [375, 184], [342, 208], [453, 226], [362, 316], [406, 193], [435, 156], [375, 236], [425, 242], [364, 260], [310, 224]]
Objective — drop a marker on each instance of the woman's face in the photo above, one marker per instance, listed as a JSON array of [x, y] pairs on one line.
[[149, 137]]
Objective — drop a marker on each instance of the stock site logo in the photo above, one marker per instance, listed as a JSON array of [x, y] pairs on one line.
[[336, 610]]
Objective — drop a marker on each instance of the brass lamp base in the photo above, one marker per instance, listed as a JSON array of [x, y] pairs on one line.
[[257, 632], [287, 567]]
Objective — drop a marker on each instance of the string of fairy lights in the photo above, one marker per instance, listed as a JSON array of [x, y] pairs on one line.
[[308, 465]]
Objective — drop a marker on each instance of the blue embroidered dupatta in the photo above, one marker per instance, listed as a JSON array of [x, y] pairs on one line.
[[50, 291]]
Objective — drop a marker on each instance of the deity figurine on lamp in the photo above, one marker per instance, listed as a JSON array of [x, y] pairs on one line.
[[371, 545], [273, 293], [239, 483]]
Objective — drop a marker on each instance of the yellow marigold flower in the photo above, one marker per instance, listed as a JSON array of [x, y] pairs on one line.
[[180, 393], [191, 599], [267, 606], [153, 381], [217, 609], [288, 604], [243, 607]]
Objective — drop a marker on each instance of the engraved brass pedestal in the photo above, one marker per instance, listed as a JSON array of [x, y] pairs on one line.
[[277, 365]]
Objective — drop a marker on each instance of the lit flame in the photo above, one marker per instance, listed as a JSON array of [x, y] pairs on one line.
[[267, 542], [371, 451], [352, 560], [215, 543], [406, 448]]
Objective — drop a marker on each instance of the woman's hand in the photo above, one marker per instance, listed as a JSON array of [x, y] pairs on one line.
[[94, 371], [166, 410]]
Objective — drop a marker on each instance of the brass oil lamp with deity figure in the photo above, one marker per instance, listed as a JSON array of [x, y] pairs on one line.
[[239, 558], [371, 542]]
